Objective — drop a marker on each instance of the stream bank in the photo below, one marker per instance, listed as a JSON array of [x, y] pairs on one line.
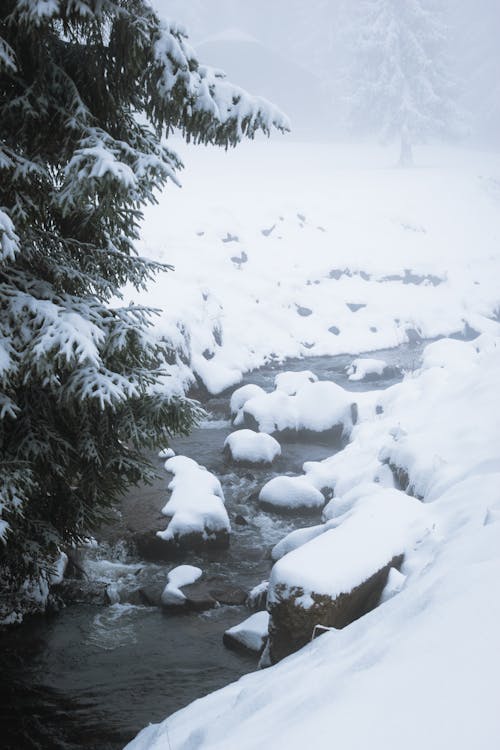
[[92, 675]]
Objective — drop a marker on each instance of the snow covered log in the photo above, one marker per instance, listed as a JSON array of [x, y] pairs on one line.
[[338, 576]]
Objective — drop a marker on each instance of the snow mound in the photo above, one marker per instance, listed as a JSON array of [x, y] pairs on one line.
[[251, 633], [290, 382], [180, 576], [291, 493], [252, 447], [316, 407], [196, 504], [360, 368]]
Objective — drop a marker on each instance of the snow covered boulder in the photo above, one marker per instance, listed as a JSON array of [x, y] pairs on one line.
[[196, 509], [249, 635], [339, 575], [364, 368], [249, 447], [182, 575], [290, 493], [322, 406], [185, 590]]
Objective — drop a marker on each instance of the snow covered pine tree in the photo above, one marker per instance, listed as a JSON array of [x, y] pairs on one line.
[[399, 72], [87, 91]]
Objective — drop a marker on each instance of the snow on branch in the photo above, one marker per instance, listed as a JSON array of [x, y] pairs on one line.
[[214, 110], [7, 57], [102, 162], [40, 11], [9, 241], [102, 385]]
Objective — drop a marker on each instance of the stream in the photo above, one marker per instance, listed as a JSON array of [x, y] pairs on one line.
[[91, 675]]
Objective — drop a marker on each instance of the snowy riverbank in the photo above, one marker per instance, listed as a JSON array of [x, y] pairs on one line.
[[299, 250], [289, 249], [410, 668]]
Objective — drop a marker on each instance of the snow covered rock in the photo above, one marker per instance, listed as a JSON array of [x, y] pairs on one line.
[[339, 575], [195, 507], [291, 493], [316, 407], [185, 589], [247, 446], [362, 368], [182, 575], [290, 382], [249, 635]]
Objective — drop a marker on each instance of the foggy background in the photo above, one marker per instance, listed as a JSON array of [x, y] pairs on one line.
[[301, 55]]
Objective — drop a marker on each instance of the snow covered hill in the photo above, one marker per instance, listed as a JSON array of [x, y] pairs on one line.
[[285, 249]]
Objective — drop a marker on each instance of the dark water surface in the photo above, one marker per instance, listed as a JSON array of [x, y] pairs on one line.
[[91, 676]]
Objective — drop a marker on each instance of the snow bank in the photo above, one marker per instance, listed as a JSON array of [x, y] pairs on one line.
[[291, 493], [251, 633], [252, 447], [436, 631], [356, 242], [196, 503], [360, 368], [182, 575]]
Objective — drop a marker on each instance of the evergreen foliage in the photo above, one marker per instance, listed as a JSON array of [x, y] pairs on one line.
[[403, 89], [88, 90]]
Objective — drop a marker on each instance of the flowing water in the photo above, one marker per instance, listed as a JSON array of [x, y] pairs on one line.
[[90, 675]]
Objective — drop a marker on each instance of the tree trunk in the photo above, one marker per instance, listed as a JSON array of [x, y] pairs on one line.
[[406, 154]]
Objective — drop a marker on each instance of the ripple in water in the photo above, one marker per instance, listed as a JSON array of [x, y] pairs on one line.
[[114, 627]]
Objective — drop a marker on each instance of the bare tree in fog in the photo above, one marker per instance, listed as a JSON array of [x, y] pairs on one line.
[[400, 81]]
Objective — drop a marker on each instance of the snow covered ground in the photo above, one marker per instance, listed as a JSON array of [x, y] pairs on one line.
[[422, 669], [294, 249]]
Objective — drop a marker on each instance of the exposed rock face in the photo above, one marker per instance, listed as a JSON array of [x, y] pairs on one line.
[[152, 547], [291, 625], [334, 435], [198, 597], [206, 594]]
